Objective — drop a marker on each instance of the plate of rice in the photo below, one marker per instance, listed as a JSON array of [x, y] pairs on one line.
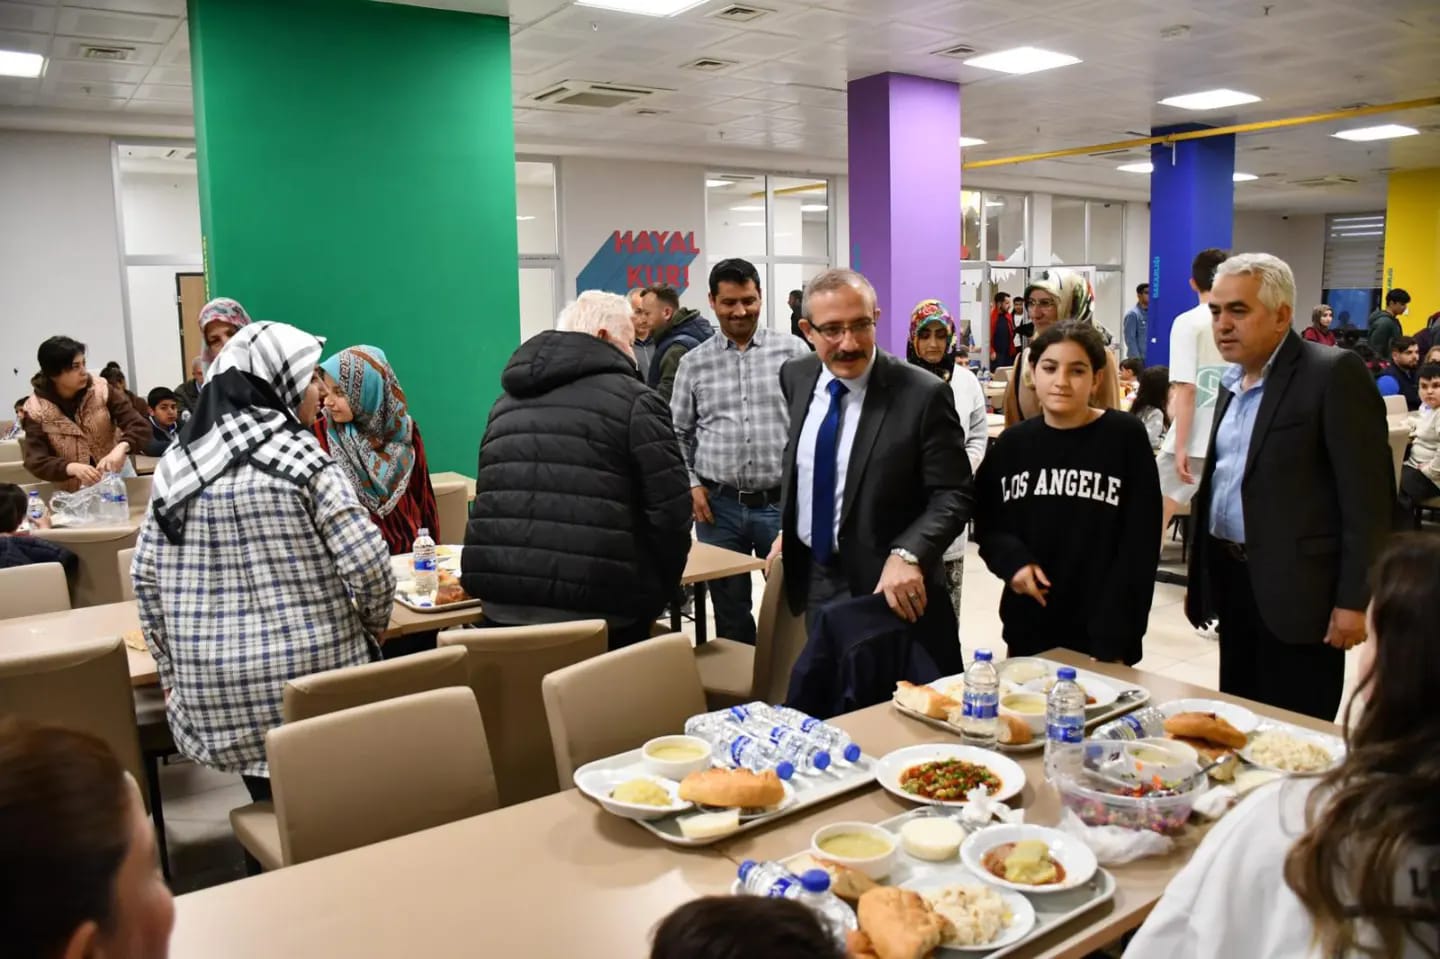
[[980, 917]]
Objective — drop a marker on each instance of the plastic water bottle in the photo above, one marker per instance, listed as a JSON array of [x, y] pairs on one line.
[[792, 744], [1141, 724], [427, 580], [832, 739], [834, 915], [769, 879], [736, 747], [980, 713], [114, 504], [1064, 726], [35, 509]]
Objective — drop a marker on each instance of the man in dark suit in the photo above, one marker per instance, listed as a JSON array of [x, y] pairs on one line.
[[876, 481], [1296, 499]]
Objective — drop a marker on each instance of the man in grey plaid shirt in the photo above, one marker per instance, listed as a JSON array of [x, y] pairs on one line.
[[731, 420]]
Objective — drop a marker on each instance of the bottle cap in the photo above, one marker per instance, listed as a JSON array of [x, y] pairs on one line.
[[785, 769], [424, 531], [746, 867], [1066, 672], [983, 656], [822, 759], [852, 753], [815, 880]]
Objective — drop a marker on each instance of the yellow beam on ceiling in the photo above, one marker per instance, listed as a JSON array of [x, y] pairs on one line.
[[1257, 127]]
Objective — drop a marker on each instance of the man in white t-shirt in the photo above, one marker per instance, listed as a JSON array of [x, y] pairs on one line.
[[1195, 368]]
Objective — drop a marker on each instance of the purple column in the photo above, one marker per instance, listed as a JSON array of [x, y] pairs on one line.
[[905, 219]]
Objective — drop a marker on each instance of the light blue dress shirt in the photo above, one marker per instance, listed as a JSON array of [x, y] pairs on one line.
[[850, 406], [1232, 450]]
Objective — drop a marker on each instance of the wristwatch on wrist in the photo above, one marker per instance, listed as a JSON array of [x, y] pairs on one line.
[[906, 555]]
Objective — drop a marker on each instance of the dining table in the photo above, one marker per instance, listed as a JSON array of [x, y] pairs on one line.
[[559, 877]]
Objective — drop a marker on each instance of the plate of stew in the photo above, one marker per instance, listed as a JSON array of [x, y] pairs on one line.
[[941, 774]]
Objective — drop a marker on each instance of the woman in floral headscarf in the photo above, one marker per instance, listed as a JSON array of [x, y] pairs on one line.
[[219, 319], [1058, 296], [932, 346], [370, 434]]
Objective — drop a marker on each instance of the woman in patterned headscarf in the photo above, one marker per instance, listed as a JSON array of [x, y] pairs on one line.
[[371, 435], [219, 321], [932, 346], [256, 564], [1058, 296]]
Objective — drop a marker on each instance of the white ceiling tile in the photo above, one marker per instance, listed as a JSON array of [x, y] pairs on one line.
[[174, 8], [93, 70], [163, 91], [82, 103], [528, 11], [753, 45], [52, 87], [26, 17], [25, 42], [73, 48], [817, 24], [177, 51], [175, 76], [74, 21]]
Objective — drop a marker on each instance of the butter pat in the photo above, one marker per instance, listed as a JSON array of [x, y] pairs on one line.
[[932, 838], [710, 825]]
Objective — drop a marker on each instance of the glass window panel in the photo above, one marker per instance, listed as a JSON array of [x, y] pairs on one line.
[[537, 301], [1067, 230], [970, 214], [788, 276], [1111, 303], [802, 217], [535, 208], [1107, 232], [734, 215], [1005, 227]]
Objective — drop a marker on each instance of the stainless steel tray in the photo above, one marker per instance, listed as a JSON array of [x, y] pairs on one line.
[[809, 791], [1052, 909], [1095, 715]]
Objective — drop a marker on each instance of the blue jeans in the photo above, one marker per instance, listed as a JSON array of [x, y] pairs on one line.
[[748, 531]]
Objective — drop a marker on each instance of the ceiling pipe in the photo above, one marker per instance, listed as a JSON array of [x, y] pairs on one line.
[[1171, 138]]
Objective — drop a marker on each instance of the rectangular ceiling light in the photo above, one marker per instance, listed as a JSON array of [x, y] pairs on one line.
[[712, 184], [1386, 131], [748, 209], [13, 63], [1210, 100], [1242, 177], [971, 142], [1146, 167], [1022, 60], [644, 8], [813, 207]]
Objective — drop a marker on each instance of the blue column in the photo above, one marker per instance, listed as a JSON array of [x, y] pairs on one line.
[[1192, 208]]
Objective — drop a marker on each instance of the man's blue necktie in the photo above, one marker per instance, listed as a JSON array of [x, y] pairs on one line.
[[822, 500]]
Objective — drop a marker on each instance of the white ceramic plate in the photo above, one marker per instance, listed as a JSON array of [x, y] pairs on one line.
[[1237, 716], [1019, 670], [1022, 913], [1332, 745], [1104, 693], [598, 784], [1072, 854], [892, 765]]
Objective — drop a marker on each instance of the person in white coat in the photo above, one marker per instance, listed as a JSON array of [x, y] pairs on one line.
[[1348, 863], [933, 346]]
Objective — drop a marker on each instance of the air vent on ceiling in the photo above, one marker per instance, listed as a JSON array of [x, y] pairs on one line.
[[179, 154], [739, 13], [1333, 179], [582, 94], [107, 53], [1256, 149], [709, 64], [959, 52], [650, 112], [1178, 32]]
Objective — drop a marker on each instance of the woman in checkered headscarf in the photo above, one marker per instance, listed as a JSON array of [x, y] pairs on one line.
[[1058, 296], [256, 563]]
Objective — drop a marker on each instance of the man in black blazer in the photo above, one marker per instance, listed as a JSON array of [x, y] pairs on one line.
[[897, 466], [1296, 499]]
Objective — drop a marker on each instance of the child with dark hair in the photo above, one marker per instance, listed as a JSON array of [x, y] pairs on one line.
[[20, 549], [164, 420], [1420, 474], [1068, 511], [16, 429], [1130, 370], [1152, 397], [743, 927]]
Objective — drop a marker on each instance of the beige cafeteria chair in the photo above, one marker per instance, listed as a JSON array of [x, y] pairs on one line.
[[506, 666], [734, 672], [1399, 437], [97, 580], [617, 701], [320, 694], [123, 559], [374, 772], [1396, 405], [17, 473], [452, 503], [138, 489], [34, 589], [10, 451]]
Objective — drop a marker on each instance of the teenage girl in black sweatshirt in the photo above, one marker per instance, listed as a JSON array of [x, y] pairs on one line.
[[1068, 512]]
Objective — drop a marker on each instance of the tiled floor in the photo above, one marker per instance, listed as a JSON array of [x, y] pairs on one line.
[[198, 801]]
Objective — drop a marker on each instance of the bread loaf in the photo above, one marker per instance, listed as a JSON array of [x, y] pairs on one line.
[[899, 923], [924, 700], [734, 788], [1014, 731]]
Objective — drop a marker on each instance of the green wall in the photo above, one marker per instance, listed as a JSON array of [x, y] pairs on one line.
[[357, 180]]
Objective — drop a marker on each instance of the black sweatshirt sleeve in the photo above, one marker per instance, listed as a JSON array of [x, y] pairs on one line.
[[1119, 620], [1001, 547]]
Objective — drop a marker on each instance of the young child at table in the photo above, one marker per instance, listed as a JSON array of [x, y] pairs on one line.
[[743, 927], [1130, 370], [1150, 402], [21, 549], [1420, 475], [1068, 511]]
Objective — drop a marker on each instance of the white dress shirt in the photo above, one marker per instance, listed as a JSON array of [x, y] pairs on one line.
[[850, 406], [970, 405]]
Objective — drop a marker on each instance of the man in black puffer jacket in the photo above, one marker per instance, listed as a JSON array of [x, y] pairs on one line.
[[582, 504]]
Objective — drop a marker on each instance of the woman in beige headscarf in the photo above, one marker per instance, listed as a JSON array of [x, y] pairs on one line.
[[1057, 296]]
